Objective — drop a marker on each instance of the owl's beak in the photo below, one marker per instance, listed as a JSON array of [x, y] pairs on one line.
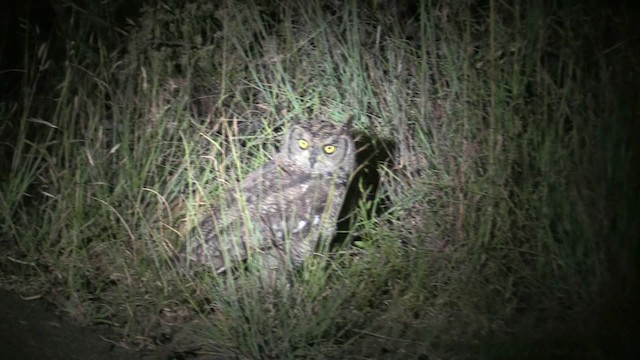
[[313, 158]]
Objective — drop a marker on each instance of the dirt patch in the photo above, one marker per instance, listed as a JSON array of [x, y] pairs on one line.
[[32, 330]]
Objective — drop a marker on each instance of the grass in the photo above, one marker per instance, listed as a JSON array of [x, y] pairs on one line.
[[488, 220]]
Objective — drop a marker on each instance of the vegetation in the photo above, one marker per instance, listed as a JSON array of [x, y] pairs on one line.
[[492, 214]]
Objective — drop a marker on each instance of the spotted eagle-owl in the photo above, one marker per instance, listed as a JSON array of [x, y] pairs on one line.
[[280, 212]]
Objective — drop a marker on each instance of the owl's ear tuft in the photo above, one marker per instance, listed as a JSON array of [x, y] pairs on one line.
[[296, 129], [348, 124], [296, 121]]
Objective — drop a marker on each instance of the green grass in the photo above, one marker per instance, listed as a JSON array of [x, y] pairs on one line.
[[494, 221]]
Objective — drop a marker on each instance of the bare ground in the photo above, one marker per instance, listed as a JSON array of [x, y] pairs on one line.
[[32, 330]]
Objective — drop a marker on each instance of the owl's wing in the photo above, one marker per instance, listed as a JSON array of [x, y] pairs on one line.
[[220, 239], [211, 242]]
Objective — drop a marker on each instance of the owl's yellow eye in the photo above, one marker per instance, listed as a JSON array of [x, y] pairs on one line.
[[329, 149], [303, 144]]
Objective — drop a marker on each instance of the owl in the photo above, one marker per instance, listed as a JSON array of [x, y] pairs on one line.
[[280, 212]]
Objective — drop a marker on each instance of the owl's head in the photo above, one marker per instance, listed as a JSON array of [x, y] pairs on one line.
[[320, 147]]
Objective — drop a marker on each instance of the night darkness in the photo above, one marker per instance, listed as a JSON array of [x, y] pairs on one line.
[[494, 215]]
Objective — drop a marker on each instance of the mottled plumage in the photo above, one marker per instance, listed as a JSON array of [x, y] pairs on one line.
[[280, 211]]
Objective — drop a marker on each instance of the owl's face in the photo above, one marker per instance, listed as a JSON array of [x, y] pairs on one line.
[[320, 147]]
